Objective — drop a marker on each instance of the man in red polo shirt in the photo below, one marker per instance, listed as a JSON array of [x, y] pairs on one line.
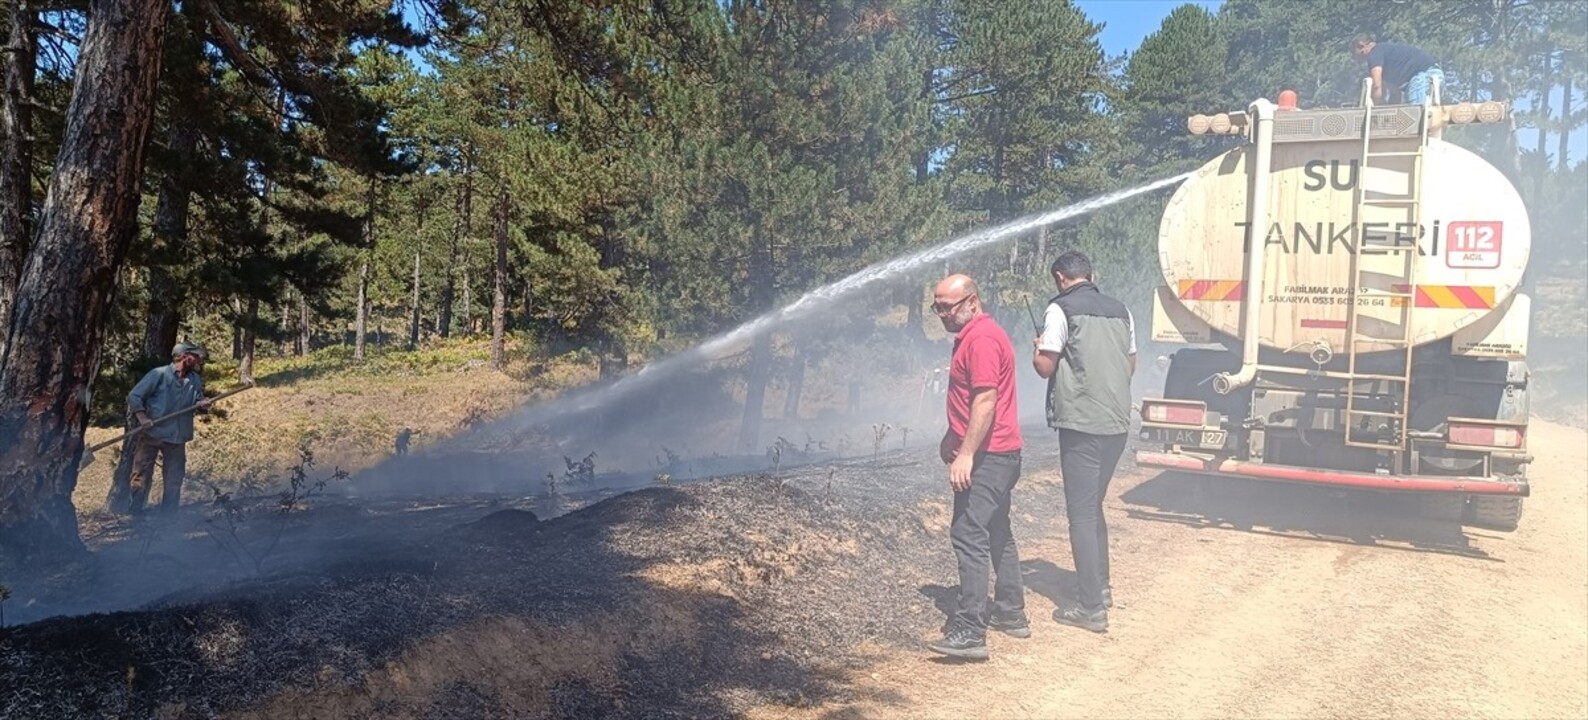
[[982, 450]]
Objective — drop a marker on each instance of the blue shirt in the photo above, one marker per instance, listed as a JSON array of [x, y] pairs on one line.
[[162, 392], [1400, 62]]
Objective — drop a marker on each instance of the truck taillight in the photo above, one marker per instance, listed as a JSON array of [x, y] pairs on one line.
[[1174, 412], [1486, 434]]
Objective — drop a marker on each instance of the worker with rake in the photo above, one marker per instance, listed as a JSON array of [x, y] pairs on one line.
[[164, 391]]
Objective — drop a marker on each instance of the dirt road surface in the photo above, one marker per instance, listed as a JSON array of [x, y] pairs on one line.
[[1231, 601]]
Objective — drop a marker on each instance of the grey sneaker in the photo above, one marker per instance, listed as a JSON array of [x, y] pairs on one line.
[[1012, 625], [1096, 622], [1108, 597], [961, 643]]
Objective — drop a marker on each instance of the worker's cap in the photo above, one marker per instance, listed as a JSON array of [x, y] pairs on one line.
[[183, 348]]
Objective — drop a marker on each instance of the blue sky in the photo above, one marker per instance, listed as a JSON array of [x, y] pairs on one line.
[[1126, 22]]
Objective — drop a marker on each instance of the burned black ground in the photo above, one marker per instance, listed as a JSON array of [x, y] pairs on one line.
[[700, 599]]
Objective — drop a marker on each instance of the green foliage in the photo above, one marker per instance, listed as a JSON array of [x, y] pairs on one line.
[[655, 173], [1026, 87], [1177, 72]]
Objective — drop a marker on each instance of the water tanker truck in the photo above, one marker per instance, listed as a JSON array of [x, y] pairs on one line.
[[1345, 283]]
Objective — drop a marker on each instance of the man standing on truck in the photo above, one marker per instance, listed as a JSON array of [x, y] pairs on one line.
[[1087, 353], [165, 390], [982, 451], [1408, 69]]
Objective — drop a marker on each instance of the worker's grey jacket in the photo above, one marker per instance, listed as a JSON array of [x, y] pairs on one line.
[[1090, 387], [161, 392]]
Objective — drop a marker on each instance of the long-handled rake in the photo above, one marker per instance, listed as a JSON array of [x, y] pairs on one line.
[[88, 454]]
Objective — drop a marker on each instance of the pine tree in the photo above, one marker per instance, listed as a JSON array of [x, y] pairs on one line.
[[1026, 86], [86, 224], [1177, 72], [16, 151]]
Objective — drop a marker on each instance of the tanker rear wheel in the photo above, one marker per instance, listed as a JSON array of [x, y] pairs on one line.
[[1497, 513]]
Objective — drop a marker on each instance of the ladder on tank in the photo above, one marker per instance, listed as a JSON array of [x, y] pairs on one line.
[[1377, 426]]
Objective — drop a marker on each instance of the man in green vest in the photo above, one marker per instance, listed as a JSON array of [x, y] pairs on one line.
[[1087, 352]]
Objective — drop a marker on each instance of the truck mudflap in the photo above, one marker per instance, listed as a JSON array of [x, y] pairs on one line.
[[1341, 478]]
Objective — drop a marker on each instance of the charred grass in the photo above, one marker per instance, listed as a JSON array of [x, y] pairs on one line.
[[699, 600]]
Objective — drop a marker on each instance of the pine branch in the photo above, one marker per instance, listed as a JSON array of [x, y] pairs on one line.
[[229, 44]]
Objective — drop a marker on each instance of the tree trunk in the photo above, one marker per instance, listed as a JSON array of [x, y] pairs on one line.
[[1565, 117], [755, 391], [523, 307], [761, 294], [305, 335], [468, 303], [245, 360], [237, 329], [460, 226], [610, 364], [118, 498], [1541, 173], [924, 157], [1511, 153], [361, 326], [915, 317], [413, 324], [170, 233], [163, 320], [796, 387], [284, 324], [1038, 267], [16, 156], [499, 300], [64, 298]]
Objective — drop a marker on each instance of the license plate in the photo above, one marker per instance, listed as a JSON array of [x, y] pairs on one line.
[[1186, 436]]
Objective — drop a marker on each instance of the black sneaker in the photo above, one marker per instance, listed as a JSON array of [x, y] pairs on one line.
[[1012, 625], [961, 643], [1096, 622]]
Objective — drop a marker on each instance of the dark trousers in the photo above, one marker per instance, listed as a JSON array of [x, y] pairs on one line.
[[1088, 463], [983, 542], [173, 458]]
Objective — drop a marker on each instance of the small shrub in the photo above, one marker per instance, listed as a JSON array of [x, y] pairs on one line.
[[582, 471], [879, 432], [230, 516]]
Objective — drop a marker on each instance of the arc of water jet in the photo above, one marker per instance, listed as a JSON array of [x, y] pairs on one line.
[[591, 398]]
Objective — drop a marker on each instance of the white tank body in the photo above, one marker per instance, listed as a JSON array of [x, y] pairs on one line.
[[1470, 228]]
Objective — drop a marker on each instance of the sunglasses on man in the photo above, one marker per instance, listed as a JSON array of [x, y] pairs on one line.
[[942, 309]]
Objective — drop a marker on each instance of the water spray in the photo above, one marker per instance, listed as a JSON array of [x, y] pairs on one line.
[[822, 297]]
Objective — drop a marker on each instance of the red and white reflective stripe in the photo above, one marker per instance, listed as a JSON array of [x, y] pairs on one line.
[[1167, 411], [1500, 436]]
